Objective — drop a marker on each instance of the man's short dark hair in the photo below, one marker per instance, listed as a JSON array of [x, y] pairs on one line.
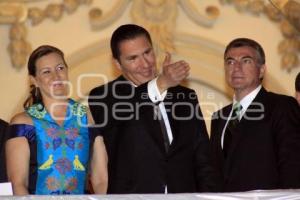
[[297, 82], [126, 32], [246, 42]]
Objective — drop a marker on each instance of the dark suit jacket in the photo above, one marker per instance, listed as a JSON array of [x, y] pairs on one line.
[[138, 162], [3, 127], [265, 150]]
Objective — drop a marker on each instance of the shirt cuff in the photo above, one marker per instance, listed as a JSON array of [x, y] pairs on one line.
[[154, 93]]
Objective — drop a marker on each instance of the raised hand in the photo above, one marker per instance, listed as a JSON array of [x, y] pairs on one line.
[[172, 73]]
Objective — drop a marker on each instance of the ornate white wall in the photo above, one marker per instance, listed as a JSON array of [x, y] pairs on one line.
[[195, 37]]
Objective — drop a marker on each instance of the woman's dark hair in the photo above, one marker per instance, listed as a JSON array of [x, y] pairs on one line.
[[126, 32], [297, 82], [35, 94]]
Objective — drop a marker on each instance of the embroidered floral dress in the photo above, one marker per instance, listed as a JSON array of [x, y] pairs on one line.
[[58, 154]]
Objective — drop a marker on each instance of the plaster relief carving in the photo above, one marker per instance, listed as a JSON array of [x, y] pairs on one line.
[[99, 21], [18, 47], [12, 13], [289, 61], [201, 18], [54, 11], [36, 16], [71, 5], [15, 12], [273, 13], [292, 13], [159, 18], [287, 14], [95, 16], [256, 7]]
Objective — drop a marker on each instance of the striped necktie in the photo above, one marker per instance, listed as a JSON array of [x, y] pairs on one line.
[[231, 125]]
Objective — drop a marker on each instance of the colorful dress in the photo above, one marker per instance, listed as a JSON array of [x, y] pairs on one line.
[[59, 155]]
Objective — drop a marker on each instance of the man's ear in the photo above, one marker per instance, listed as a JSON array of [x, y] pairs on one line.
[[262, 70], [117, 63]]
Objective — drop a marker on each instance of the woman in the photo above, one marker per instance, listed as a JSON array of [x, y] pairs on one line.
[[49, 143]]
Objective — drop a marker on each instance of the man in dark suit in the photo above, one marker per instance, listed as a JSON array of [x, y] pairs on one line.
[[3, 127], [156, 139], [259, 147]]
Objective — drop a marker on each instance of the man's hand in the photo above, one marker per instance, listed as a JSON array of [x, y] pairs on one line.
[[172, 73]]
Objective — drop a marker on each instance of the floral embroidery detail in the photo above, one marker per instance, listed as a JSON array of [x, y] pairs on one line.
[[71, 184], [52, 132], [79, 109], [67, 145], [72, 133], [35, 111], [80, 145], [70, 143], [63, 165], [56, 143], [52, 183], [47, 145]]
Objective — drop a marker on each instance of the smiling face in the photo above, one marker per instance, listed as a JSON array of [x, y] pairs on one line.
[[242, 71], [137, 60], [51, 76]]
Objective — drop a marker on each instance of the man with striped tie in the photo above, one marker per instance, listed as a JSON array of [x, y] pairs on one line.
[[255, 141]]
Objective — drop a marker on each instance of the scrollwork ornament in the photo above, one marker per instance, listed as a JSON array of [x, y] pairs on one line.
[[36, 15], [16, 13], [287, 14], [159, 17], [18, 47], [289, 61]]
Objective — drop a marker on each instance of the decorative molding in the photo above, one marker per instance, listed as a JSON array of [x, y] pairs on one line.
[[16, 13], [162, 26], [12, 13], [99, 21], [157, 16], [212, 13], [18, 47], [287, 14]]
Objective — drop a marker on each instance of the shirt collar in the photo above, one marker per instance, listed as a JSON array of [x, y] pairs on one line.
[[247, 100]]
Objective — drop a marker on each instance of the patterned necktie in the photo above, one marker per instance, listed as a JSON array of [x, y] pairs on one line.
[[231, 125]]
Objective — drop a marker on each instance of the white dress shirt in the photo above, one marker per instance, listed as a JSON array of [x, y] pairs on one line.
[[155, 97], [245, 103]]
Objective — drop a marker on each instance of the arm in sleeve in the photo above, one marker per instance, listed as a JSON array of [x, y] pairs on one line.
[[205, 173], [287, 128]]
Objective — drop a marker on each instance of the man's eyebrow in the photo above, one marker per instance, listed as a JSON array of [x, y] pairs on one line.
[[131, 56], [231, 58], [248, 57]]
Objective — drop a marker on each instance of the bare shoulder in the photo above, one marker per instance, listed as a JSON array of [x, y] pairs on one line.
[[21, 118]]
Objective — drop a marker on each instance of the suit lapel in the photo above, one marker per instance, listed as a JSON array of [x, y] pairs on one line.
[[154, 125], [243, 124], [173, 111], [153, 128], [223, 116]]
